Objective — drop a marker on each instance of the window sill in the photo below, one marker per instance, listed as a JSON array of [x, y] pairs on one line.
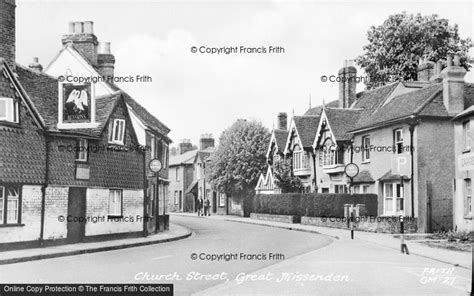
[[469, 217], [12, 225], [10, 124], [365, 161], [466, 150], [81, 161]]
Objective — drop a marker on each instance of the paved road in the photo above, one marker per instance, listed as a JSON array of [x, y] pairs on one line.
[[210, 237], [336, 267]]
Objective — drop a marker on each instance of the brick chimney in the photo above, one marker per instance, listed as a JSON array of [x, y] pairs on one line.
[[347, 84], [453, 85], [7, 32], [282, 121], [426, 70], [206, 141], [105, 60], [185, 146], [81, 35], [35, 65]]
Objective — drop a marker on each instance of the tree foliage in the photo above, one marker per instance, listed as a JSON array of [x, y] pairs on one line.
[[396, 46], [240, 158], [284, 178]]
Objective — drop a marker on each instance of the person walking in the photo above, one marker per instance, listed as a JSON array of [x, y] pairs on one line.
[[199, 206], [207, 205]]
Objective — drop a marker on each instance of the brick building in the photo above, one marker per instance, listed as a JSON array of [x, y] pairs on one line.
[[188, 180], [401, 138], [69, 153]]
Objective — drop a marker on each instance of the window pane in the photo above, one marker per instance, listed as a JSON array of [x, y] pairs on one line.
[[13, 200], [388, 204], [388, 190], [3, 109], [111, 202]]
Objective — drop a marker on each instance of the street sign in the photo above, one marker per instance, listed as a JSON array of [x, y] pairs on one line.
[[401, 164], [155, 165], [351, 170]]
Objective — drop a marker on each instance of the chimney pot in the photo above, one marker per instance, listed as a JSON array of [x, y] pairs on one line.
[[105, 48], [449, 60], [88, 27], [457, 60], [347, 85], [71, 27], [78, 27], [35, 65]]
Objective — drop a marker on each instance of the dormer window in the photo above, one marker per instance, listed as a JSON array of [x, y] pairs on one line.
[[117, 131], [9, 110]]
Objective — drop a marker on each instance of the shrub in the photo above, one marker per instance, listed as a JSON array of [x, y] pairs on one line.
[[312, 204]]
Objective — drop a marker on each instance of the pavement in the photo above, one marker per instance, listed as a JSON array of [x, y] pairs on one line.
[[176, 232], [452, 257]]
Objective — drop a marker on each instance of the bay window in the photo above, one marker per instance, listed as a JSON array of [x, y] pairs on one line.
[[393, 198], [300, 159]]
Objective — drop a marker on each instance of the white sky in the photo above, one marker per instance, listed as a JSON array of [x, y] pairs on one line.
[[196, 93]]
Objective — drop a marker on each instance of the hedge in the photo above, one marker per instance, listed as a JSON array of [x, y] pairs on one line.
[[312, 204]]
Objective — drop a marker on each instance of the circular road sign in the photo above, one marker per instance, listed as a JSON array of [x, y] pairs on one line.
[[155, 165], [351, 170]]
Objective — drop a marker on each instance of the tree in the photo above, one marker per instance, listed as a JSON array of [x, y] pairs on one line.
[[396, 46], [284, 178], [239, 159]]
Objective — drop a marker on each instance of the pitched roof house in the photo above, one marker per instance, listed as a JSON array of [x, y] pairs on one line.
[[71, 150]]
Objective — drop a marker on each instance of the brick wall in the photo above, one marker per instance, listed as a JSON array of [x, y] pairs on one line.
[[56, 203], [435, 173], [31, 218], [98, 206], [370, 224]]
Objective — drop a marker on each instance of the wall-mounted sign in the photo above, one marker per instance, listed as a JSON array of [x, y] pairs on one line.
[[155, 165], [351, 170], [401, 164], [76, 103]]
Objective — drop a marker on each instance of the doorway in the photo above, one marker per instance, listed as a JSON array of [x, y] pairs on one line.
[[214, 202], [76, 209]]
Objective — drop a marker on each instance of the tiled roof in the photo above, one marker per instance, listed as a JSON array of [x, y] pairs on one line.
[[43, 91], [425, 101], [151, 121], [363, 177], [306, 126], [185, 158], [370, 100], [318, 109], [341, 121], [388, 176], [280, 137]]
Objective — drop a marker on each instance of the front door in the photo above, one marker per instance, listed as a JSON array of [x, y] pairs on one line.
[[76, 211]]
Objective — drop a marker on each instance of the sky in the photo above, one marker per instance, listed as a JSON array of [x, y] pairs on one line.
[[197, 93]]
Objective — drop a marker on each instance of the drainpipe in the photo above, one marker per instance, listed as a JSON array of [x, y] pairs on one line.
[[45, 185], [412, 183], [145, 196]]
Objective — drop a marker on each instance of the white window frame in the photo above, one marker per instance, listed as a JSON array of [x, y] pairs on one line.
[[152, 147], [394, 199], [398, 142], [82, 150], [467, 197], [466, 135], [176, 201], [221, 199], [115, 202], [10, 205], [177, 174], [11, 110], [366, 149], [117, 137]]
